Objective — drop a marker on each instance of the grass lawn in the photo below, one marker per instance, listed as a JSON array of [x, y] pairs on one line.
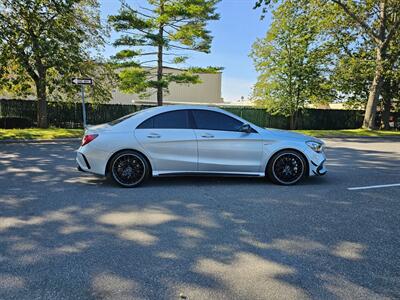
[[38, 133], [349, 133]]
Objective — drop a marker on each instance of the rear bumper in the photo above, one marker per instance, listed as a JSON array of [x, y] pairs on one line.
[[82, 161], [91, 160]]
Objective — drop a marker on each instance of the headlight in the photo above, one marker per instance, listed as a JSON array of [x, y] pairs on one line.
[[316, 146]]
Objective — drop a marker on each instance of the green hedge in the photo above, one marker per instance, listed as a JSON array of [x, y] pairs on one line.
[[308, 118], [330, 119], [69, 115], [66, 114]]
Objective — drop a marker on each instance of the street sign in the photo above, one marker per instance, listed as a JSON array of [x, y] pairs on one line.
[[87, 81]]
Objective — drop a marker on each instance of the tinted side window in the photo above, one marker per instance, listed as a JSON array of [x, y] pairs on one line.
[[177, 119], [212, 120]]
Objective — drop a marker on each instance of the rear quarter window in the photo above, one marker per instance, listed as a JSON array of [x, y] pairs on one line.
[[177, 119]]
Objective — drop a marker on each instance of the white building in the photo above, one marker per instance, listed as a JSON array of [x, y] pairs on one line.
[[206, 92]]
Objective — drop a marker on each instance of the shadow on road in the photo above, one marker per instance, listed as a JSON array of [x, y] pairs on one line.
[[66, 234]]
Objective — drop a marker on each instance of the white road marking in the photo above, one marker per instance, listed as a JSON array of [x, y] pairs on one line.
[[373, 186]]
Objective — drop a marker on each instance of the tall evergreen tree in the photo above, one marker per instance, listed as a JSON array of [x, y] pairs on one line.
[[158, 34]]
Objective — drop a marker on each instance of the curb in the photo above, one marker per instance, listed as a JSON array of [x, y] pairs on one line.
[[31, 141]]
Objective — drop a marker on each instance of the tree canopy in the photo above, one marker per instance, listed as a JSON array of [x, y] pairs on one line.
[[291, 61], [364, 49], [48, 41]]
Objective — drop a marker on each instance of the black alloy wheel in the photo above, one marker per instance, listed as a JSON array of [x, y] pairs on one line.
[[129, 168], [287, 167]]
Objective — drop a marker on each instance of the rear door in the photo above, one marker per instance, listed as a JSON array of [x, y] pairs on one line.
[[223, 147], [169, 141]]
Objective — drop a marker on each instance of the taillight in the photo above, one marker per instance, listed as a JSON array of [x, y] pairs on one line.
[[88, 138]]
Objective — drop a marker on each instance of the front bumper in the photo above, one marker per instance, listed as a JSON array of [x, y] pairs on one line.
[[319, 170], [316, 163]]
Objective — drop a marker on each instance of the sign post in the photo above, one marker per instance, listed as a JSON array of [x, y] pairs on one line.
[[82, 82], [83, 105]]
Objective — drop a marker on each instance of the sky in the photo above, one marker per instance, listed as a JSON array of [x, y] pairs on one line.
[[234, 34]]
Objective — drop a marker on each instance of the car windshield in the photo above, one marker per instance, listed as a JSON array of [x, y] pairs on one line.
[[117, 121]]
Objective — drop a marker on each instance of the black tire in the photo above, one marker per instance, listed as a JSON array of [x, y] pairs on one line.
[[129, 168], [287, 167]]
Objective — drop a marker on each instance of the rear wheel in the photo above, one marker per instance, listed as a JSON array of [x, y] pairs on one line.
[[129, 168], [287, 167]]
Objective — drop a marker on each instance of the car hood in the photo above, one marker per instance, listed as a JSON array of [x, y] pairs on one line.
[[290, 135]]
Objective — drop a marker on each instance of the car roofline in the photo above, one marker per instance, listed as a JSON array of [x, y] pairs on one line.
[[166, 108]]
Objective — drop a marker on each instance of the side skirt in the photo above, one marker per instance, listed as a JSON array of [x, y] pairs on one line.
[[223, 174]]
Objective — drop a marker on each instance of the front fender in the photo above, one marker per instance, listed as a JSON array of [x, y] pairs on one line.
[[270, 149]]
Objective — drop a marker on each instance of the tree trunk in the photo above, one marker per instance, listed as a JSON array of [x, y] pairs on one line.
[[296, 119], [160, 60], [374, 91], [41, 102], [387, 104], [159, 76], [292, 121]]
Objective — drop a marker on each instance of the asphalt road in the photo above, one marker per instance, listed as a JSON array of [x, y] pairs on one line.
[[70, 235]]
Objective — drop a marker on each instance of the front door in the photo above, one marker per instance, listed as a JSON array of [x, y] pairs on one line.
[[222, 147]]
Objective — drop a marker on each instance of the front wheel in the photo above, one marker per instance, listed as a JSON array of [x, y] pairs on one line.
[[129, 168], [286, 167]]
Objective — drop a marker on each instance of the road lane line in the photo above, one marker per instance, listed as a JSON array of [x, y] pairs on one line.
[[373, 187]]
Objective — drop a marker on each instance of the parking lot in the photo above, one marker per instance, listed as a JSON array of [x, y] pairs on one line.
[[71, 235]]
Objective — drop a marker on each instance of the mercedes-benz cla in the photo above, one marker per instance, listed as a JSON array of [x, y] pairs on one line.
[[183, 139]]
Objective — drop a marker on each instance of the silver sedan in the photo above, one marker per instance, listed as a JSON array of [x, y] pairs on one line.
[[183, 139]]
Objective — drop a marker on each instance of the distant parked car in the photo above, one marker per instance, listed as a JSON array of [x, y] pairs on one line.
[[182, 139]]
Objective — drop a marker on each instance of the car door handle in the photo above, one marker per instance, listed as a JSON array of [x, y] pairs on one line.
[[207, 135], [154, 136]]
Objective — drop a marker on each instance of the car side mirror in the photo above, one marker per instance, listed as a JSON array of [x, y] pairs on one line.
[[245, 128]]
